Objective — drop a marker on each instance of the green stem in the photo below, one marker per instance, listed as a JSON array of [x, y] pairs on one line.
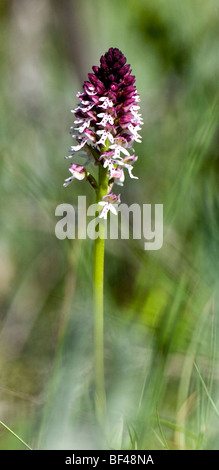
[[100, 399]]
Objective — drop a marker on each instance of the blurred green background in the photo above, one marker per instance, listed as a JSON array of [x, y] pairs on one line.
[[161, 307]]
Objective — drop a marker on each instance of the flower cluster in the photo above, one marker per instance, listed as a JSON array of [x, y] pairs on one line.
[[107, 124]]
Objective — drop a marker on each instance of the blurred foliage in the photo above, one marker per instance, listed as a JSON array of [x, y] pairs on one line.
[[161, 307]]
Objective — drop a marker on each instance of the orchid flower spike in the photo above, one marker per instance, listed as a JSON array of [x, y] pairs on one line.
[[107, 123]]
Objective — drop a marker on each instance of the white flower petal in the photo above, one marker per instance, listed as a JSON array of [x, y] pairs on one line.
[[112, 209], [75, 148]]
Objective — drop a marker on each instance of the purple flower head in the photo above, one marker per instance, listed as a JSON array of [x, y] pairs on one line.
[[107, 119]]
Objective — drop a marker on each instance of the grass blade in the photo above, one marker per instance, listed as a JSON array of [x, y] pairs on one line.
[[15, 435], [206, 390]]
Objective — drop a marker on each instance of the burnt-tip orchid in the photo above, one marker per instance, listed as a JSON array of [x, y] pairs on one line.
[[106, 126], [107, 123]]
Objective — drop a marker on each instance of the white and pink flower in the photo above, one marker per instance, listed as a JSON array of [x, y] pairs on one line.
[[107, 122]]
